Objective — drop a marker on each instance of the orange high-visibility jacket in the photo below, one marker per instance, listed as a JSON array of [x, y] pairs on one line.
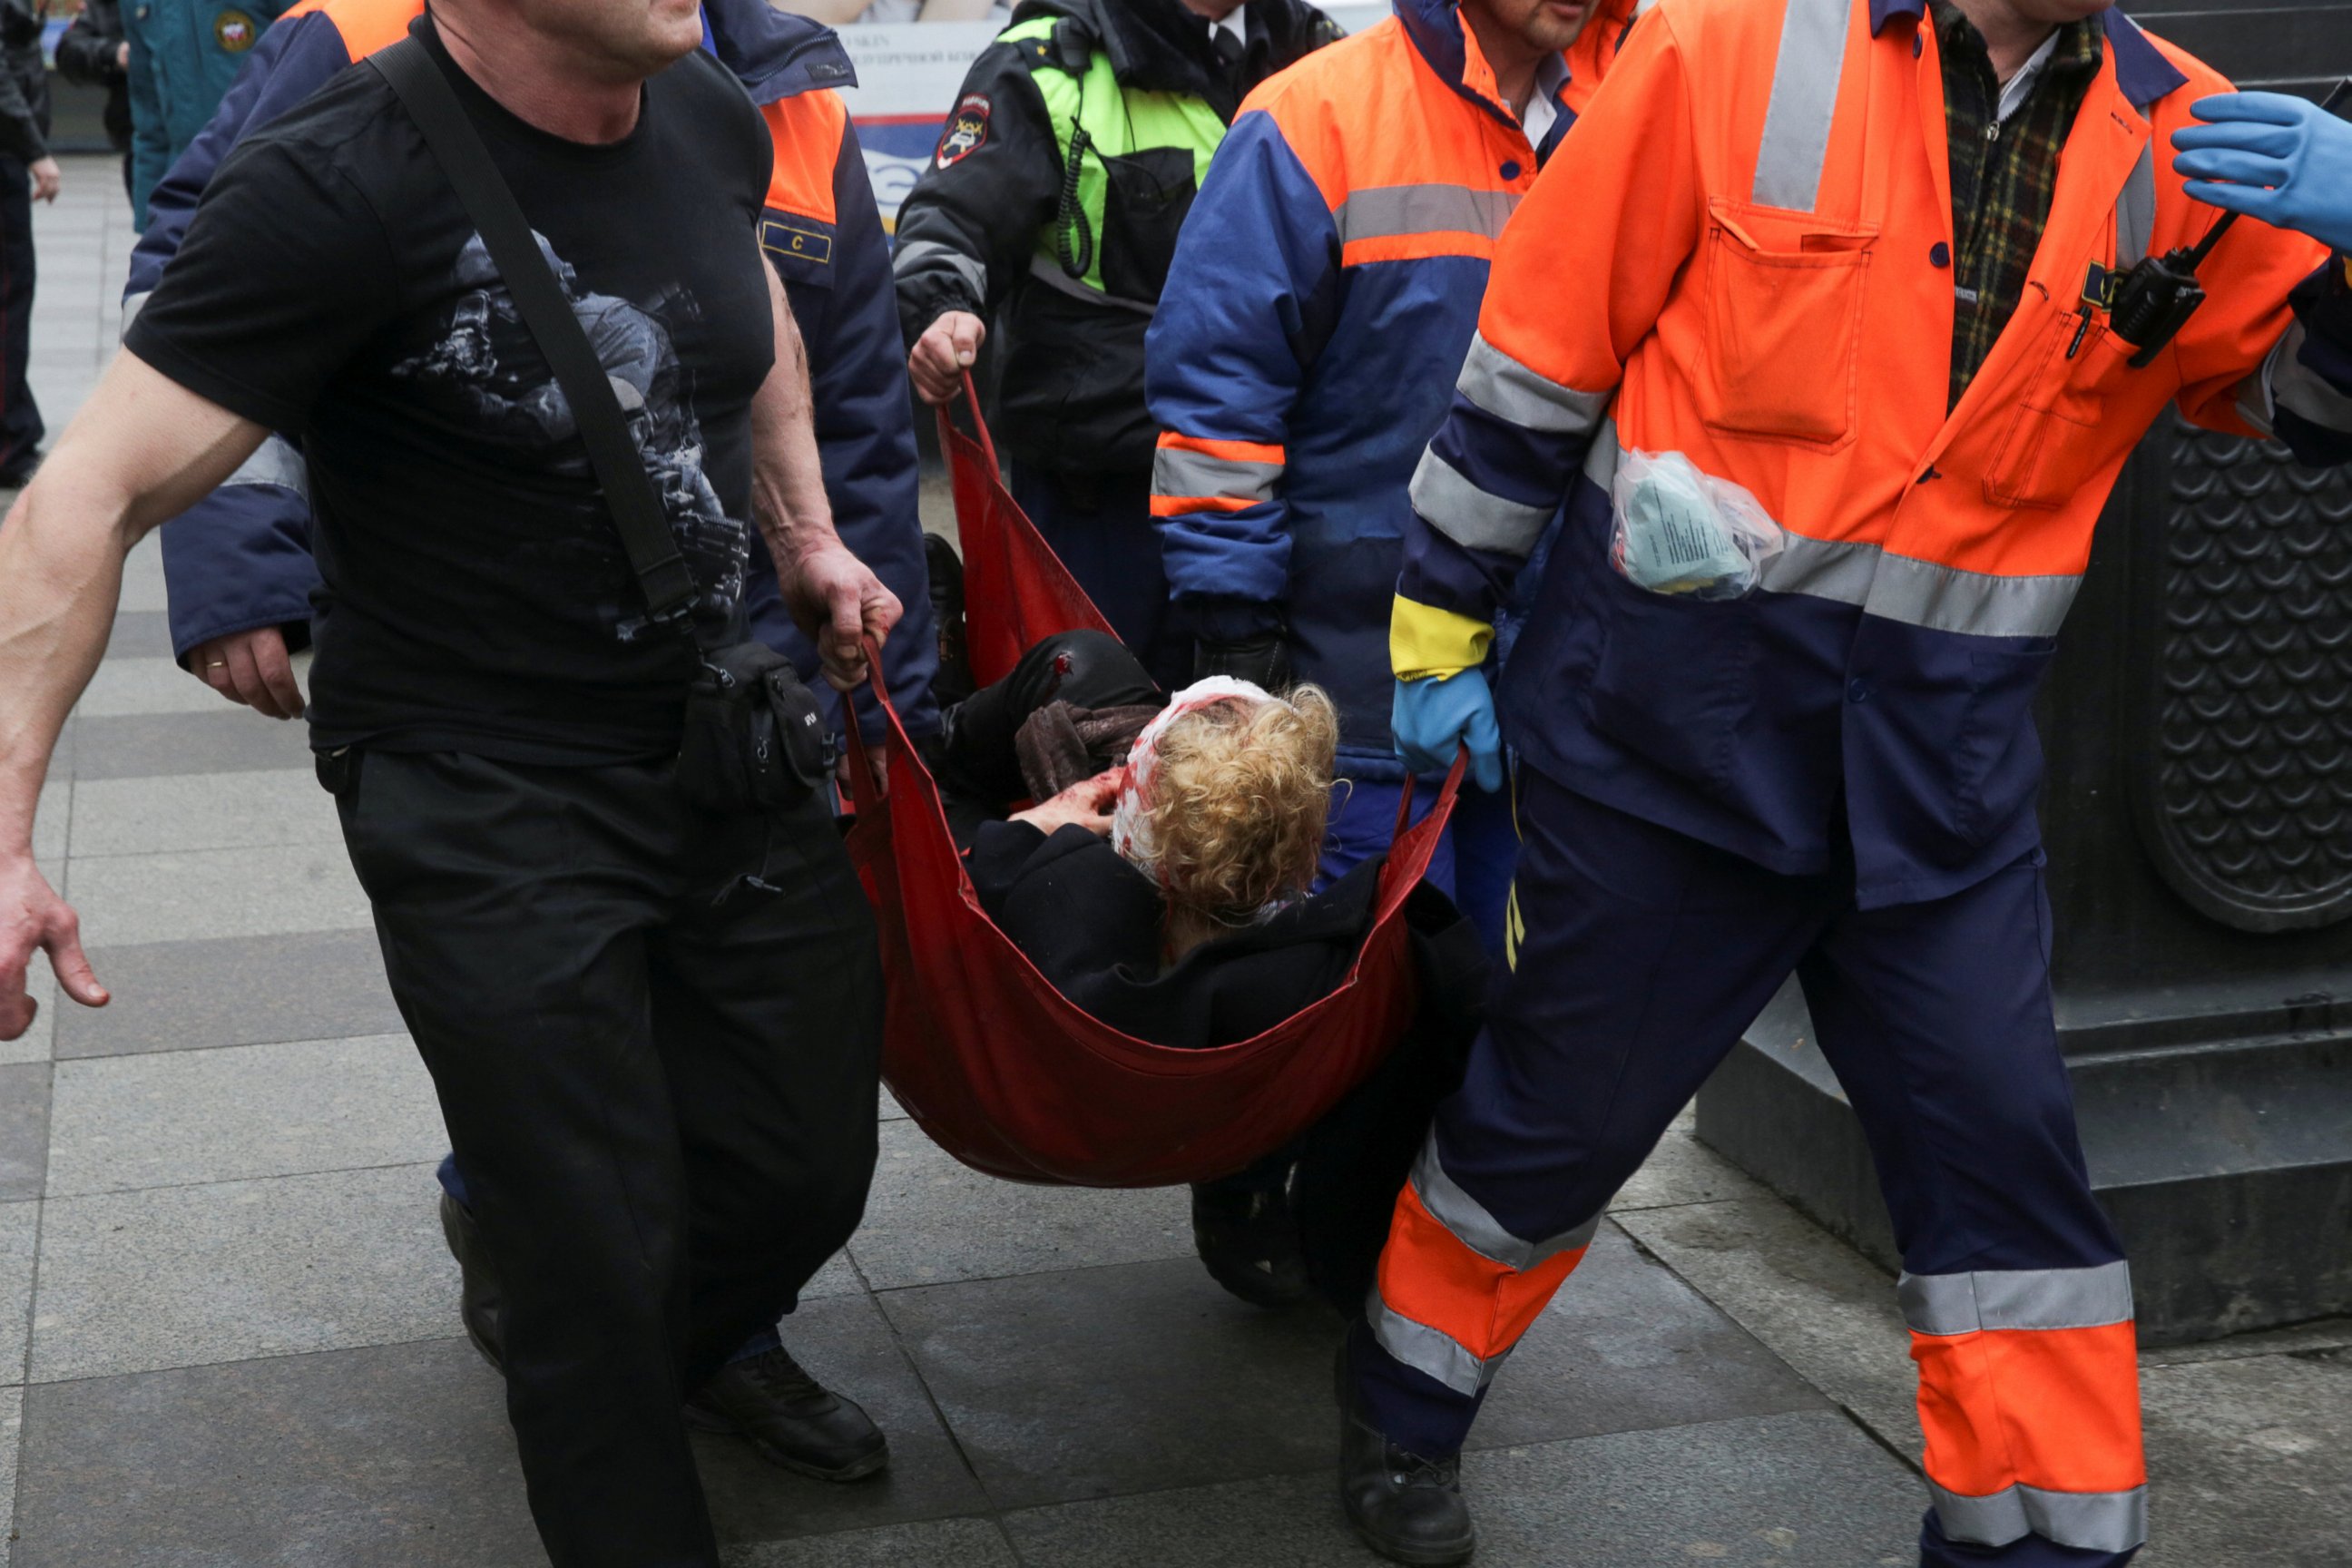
[[1743, 253]]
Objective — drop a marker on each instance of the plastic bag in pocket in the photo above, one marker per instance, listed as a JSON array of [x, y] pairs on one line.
[[1677, 531]]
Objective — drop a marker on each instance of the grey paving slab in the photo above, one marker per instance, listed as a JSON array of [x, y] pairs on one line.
[[20, 1226], [1814, 1301], [179, 1118], [1809, 1490], [837, 1277], [126, 899], [941, 1544], [126, 685], [1625, 1344], [202, 811], [2250, 1462], [218, 740], [849, 1347], [12, 1428], [1680, 1170], [187, 995], [52, 813], [1044, 1376], [397, 1457], [187, 1275], [930, 1220], [140, 634], [24, 1128], [143, 578]]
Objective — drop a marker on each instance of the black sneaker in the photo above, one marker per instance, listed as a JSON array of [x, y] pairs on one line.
[[790, 1419], [1408, 1508], [1248, 1240], [478, 1289]]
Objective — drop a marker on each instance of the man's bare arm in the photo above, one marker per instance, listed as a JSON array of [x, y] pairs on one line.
[[143, 450], [832, 596]]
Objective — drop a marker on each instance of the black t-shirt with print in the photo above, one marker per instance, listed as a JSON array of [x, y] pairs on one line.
[[475, 596]]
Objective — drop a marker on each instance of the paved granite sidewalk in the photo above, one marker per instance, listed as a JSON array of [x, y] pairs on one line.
[[229, 1326]]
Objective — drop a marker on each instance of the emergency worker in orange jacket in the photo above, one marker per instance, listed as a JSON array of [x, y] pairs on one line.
[[1324, 291], [1811, 325]]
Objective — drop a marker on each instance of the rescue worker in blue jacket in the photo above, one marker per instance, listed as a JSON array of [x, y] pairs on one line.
[[239, 571], [1061, 180], [184, 56], [1326, 287]]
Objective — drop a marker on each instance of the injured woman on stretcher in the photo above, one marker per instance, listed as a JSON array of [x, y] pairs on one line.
[[1160, 882]]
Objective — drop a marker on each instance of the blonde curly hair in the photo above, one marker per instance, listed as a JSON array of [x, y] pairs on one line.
[[1238, 802]]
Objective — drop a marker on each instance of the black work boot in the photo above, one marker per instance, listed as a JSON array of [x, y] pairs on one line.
[[790, 1418], [1406, 1508], [1248, 1240], [477, 1289]]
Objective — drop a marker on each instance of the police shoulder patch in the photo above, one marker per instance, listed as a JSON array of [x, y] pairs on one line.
[[966, 130], [234, 31]]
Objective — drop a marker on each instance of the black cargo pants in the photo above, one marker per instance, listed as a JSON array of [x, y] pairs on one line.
[[655, 1036]]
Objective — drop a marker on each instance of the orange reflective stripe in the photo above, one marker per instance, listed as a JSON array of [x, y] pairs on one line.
[[806, 131], [2052, 1408], [365, 25], [1231, 451], [1415, 247], [1429, 1275], [1177, 506]]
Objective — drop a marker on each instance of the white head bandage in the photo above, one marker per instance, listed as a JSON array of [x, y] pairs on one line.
[[1131, 824]]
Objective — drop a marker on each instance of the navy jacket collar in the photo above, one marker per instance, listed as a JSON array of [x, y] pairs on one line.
[[2142, 72], [773, 53]]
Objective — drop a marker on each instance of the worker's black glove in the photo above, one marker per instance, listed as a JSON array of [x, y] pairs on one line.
[[1263, 658]]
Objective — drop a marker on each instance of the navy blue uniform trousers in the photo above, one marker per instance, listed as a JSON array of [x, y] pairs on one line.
[[1638, 956]]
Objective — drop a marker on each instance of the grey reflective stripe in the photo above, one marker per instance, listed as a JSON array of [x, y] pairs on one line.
[[1426, 1350], [915, 253], [1051, 275], [1804, 102], [1184, 475], [2017, 1299], [130, 304], [1511, 391], [2290, 383], [1920, 592], [1468, 515], [1947, 599], [273, 462], [1383, 210], [2136, 212], [1600, 457], [2090, 1522], [1467, 1219], [1822, 569]]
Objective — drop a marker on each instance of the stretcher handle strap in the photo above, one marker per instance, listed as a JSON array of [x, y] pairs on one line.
[[978, 424], [865, 790], [1445, 792]]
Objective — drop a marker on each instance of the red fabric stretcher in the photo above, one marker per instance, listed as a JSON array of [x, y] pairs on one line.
[[994, 1064]]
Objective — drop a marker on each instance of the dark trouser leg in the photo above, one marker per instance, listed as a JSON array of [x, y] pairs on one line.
[[1644, 956], [1100, 525], [1937, 1020], [980, 771], [539, 928], [20, 417]]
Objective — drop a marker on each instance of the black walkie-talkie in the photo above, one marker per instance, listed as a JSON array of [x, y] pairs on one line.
[[2155, 300]]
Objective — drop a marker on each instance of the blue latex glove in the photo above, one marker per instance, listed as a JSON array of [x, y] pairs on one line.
[[1432, 717], [2287, 161]]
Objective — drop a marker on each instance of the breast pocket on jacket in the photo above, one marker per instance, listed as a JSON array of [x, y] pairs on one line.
[[801, 248], [1145, 197], [1784, 306]]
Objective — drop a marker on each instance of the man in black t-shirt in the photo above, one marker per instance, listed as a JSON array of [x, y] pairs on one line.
[[653, 1032]]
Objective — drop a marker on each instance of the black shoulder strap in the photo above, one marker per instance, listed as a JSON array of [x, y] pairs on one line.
[[619, 468]]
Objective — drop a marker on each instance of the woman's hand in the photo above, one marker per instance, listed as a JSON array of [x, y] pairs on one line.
[[1087, 804]]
